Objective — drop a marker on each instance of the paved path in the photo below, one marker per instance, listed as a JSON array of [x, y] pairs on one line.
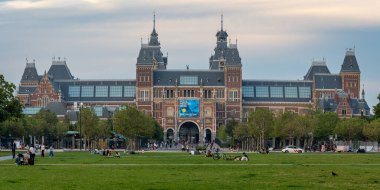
[[2, 158]]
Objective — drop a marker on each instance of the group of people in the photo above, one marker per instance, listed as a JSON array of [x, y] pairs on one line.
[[31, 154], [107, 153]]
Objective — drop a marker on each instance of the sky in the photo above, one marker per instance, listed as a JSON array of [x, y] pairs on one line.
[[276, 39]]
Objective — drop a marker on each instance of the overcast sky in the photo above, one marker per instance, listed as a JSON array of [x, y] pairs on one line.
[[277, 39]]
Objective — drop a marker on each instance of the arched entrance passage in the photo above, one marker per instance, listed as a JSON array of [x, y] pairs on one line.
[[208, 136], [189, 133]]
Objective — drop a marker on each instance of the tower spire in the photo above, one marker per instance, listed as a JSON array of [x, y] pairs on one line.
[[221, 21], [154, 19]]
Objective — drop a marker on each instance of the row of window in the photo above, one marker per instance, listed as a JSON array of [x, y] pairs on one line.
[[276, 92], [188, 80], [101, 91], [207, 94]]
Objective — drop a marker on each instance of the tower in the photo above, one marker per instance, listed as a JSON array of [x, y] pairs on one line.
[[226, 57], [350, 74], [150, 58]]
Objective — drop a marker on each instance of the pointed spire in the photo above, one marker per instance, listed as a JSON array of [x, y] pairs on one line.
[[221, 21], [154, 19], [363, 93]]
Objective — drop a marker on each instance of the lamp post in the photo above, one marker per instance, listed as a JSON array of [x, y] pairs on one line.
[[80, 126]]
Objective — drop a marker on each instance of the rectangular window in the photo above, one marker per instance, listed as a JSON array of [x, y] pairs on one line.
[[291, 92], [144, 95], [98, 111], [233, 95], [207, 94], [101, 91], [262, 92], [157, 93], [304, 92], [276, 92], [248, 91], [188, 80], [87, 91], [220, 93], [74, 91], [116, 91], [129, 91]]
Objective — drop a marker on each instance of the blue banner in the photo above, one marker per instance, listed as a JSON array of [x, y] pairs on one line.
[[188, 108]]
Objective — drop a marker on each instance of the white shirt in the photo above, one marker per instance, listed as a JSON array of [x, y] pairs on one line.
[[43, 147], [32, 150]]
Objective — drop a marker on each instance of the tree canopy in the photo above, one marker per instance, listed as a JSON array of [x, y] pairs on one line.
[[10, 106], [134, 125], [376, 109]]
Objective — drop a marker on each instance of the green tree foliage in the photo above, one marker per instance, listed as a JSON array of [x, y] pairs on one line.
[[325, 125], [158, 133], [242, 132], [9, 105], [44, 124], [230, 126], [221, 133], [134, 125], [376, 109], [372, 130], [261, 124], [12, 128], [350, 129], [88, 121]]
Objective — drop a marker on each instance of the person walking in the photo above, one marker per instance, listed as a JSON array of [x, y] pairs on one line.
[[42, 150], [51, 152], [32, 152], [14, 150]]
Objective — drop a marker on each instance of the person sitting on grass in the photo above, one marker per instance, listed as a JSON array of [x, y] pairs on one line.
[[244, 157], [237, 158], [209, 153], [109, 154], [20, 159], [117, 154]]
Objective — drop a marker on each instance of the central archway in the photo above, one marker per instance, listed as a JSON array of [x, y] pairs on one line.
[[189, 133]]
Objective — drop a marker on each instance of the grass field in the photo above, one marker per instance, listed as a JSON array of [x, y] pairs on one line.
[[9, 153], [81, 170]]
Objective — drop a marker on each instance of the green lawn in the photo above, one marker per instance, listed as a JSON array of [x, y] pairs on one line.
[[74, 170], [9, 153]]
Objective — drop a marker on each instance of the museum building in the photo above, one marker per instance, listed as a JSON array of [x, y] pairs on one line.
[[189, 104]]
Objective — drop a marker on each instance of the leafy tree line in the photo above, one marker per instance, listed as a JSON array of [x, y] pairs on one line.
[[290, 128]]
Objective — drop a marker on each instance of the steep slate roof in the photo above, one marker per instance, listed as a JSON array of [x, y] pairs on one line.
[[327, 81], [64, 87], [169, 77], [277, 83], [316, 67], [350, 64], [328, 105], [223, 52], [358, 105], [26, 89], [57, 107], [151, 52], [59, 71], [30, 73]]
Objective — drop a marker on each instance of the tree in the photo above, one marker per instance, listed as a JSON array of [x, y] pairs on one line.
[[222, 135], [134, 125], [350, 129], [45, 124], [372, 130], [376, 109], [10, 106], [325, 125], [230, 126], [261, 124], [89, 122]]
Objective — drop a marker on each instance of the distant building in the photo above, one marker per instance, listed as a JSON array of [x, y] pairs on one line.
[[189, 104]]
